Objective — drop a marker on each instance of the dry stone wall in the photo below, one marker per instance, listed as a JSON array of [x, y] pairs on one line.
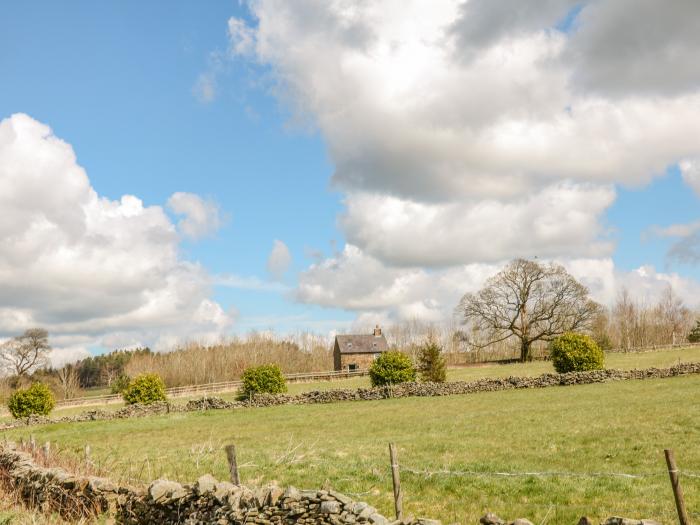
[[206, 501], [167, 502], [371, 394]]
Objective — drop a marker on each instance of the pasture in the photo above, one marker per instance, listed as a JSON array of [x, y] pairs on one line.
[[450, 448], [624, 361]]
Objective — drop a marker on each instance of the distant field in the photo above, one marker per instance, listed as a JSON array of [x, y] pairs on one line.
[[605, 428], [662, 358]]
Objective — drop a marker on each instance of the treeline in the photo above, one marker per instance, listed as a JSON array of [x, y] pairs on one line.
[[194, 363], [627, 325]]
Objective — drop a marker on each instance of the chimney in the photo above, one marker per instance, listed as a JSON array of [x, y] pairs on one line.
[[377, 331]]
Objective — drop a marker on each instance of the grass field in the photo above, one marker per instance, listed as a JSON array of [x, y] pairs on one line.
[[664, 358], [605, 428]]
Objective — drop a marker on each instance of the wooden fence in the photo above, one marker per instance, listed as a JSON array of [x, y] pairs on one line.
[[212, 388], [473, 357]]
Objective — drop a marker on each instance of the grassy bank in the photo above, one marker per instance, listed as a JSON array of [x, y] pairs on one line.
[[661, 359], [604, 428]]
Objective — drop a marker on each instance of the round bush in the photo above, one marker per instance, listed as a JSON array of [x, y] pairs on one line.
[[391, 368], [35, 400], [265, 379], [145, 389], [575, 353]]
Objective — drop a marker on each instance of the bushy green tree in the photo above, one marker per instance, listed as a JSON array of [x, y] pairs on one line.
[[120, 384], [264, 379], [35, 400], [431, 363], [574, 352], [391, 368], [694, 335], [145, 389]]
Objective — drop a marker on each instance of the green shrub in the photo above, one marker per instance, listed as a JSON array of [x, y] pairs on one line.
[[265, 379], [391, 368], [431, 363], [120, 384], [604, 342], [694, 335], [35, 400], [575, 353], [145, 389]]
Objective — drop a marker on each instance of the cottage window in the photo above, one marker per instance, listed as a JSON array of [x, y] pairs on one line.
[[352, 366]]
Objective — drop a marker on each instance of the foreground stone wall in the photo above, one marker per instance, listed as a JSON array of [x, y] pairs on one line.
[[373, 394], [206, 501], [165, 502]]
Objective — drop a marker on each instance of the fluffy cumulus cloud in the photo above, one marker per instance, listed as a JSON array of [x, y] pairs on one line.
[[91, 270], [556, 220], [200, 217], [377, 292], [279, 260], [468, 133]]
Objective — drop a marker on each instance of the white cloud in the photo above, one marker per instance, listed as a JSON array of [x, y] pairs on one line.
[[201, 217], [560, 220], [358, 282], [464, 134], [279, 260], [249, 283], [86, 267], [204, 89], [632, 47], [241, 37], [475, 131], [690, 170]]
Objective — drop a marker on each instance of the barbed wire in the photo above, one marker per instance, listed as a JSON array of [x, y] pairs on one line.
[[477, 473]]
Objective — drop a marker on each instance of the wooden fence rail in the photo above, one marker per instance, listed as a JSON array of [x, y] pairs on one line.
[[211, 388], [453, 359]]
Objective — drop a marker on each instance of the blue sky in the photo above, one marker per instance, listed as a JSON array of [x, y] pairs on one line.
[[116, 82], [278, 151]]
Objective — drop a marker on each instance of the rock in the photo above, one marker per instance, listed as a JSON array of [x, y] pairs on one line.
[[585, 521], [292, 493], [366, 512], [342, 498], [222, 490], [205, 484], [649, 522], [378, 519], [273, 496], [491, 519], [162, 490], [426, 521], [521, 521], [330, 507]]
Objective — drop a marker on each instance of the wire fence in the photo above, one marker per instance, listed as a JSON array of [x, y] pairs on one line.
[[210, 454]]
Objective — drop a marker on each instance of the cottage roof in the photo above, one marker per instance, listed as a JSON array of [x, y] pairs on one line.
[[361, 344]]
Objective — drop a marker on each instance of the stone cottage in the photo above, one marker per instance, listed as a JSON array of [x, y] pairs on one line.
[[356, 352]]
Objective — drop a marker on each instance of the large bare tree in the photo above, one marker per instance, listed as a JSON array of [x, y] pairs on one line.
[[528, 301], [26, 353]]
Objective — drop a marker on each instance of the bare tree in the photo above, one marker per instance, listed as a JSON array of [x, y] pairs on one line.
[[673, 315], [26, 353], [69, 380], [530, 302]]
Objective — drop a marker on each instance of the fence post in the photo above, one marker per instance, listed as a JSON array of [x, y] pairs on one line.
[[676, 486], [232, 464], [396, 481]]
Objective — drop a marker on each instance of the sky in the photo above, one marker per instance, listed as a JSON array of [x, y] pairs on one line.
[[175, 171]]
